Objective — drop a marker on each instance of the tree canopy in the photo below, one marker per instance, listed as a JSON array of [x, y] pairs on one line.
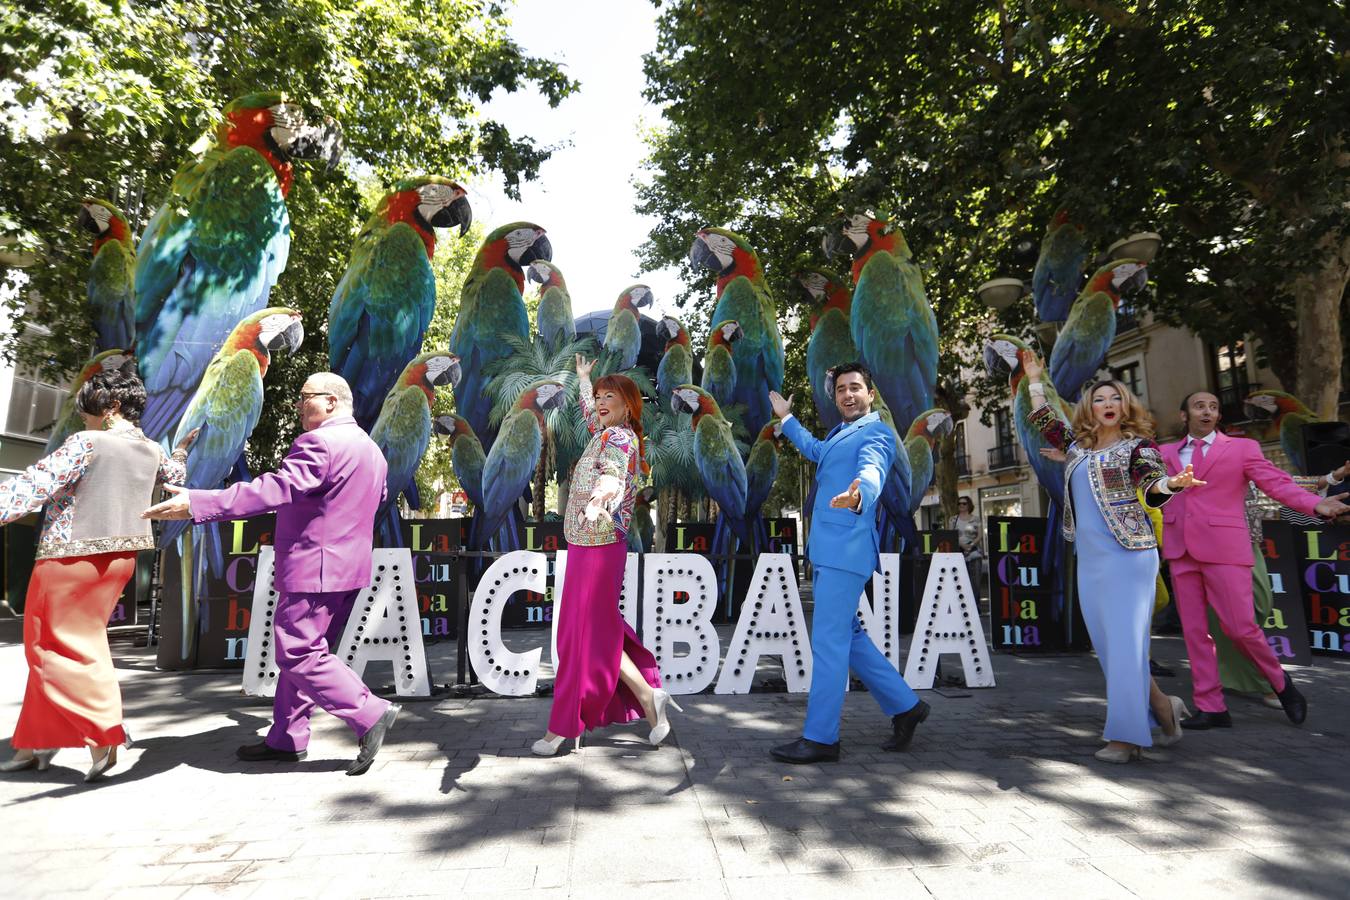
[[971, 122], [108, 99]]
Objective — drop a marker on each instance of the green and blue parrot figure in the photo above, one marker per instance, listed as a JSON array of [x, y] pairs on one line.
[[719, 362], [403, 430], [513, 457], [761, 471], [69, 420], [112, 276], [492, 309], [383, 305], [892, 323], [677, 361], [1059, 268], [554, 322], [211, 254], [642, 530], [466, 457], [1284, 415], [717, 459], [623, 333], [226, 407], [921, 439], [831, 341], [1082, 345], [743, 296]]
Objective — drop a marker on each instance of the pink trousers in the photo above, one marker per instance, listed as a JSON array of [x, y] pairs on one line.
[[592, 637], [1227, 589]]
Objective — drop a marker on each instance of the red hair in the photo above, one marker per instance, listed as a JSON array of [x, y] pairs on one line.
[[632, 398]]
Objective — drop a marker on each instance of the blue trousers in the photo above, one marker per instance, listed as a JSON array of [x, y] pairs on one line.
[[838, 644]]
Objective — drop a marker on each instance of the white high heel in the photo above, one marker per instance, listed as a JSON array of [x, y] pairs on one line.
[[1179, 712], [545, 747], [660, 700], [41, 760]]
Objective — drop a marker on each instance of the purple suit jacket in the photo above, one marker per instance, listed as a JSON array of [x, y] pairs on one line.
[[1209, 522], [325, 496]]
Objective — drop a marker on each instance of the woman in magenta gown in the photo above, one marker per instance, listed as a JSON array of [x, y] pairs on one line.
[[605, 675]]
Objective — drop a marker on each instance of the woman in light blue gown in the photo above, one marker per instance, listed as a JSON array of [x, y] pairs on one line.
[[1111, 462]]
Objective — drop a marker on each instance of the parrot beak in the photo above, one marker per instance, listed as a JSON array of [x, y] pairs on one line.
[[1129, 278], [835, 242], [443, 425], [457, 213], [540, 249], [735, 333], [644, 297], [292, 337], [683, 401], [701, 255], [87, 222], [996, 358], [321, 142]]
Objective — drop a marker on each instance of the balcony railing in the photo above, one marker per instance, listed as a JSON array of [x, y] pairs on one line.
[[962, 465], [1004, 456]]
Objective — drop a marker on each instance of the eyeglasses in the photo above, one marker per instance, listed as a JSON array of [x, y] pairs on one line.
[[305, 395]]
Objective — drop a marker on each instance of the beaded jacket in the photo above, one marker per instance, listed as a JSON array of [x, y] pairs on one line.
[[94, 486], [1114, 473], [610, 461]]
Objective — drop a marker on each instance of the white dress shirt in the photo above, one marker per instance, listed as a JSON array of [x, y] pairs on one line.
[[1188, 449]]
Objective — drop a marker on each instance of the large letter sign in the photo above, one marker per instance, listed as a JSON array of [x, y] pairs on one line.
[[386, 624], [881, 618], [500, 670], [667, 621], [949, 622], [770, 624], [260, 664], [628, 593]]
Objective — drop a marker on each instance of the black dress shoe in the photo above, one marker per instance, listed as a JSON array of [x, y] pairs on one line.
[[904, 725], [803, 751], [1158, 671], [372, 740], [261, 752], [1202, 720], [1294, 703]]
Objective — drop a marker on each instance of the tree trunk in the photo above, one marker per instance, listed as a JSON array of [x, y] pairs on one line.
[[541, 480], [1317, 298]]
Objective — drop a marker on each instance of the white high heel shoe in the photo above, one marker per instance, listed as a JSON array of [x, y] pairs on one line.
[[1179, 712], [41, 760], [546, 747], [660, 700]]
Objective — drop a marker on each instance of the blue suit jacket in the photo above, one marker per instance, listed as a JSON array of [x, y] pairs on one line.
[[864, 449]]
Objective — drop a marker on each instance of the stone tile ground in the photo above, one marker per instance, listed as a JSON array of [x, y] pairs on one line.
[[999, 795]]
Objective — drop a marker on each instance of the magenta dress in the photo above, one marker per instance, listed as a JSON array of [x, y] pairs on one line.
[[592, 634]]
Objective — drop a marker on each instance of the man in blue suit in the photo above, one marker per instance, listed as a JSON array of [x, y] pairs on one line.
[[851, 466]]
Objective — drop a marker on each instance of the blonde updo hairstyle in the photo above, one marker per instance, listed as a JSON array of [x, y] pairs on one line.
[[1135, 421]]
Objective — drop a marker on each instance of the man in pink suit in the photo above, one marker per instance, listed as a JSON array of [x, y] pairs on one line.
[[325, 496], [1209, 550]]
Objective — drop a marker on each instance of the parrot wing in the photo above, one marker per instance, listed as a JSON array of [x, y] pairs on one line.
[[676, 368], [920, 458], [402, 433], [467, 459], [719, 375], [112, 296], [556, 324], [509, 467], [1059, 272], [895, 332], [721, 466], [491, 309], [831, 344], [1081, 347], [759, 353]]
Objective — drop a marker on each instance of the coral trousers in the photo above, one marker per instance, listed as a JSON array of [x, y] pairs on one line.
[[1226, 589]]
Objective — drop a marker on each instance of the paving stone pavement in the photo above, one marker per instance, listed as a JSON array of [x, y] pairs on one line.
[[999, 793]]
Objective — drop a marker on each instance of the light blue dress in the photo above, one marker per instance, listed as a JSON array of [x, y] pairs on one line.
[[1115, 593]]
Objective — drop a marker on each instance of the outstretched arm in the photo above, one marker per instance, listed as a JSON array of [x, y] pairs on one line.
[[1280, 486], [30, 490], [874, 461], [1042, 416], [586, 394], [806, 443]]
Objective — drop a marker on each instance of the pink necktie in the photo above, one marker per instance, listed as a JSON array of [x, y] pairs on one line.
[[1197, 452]]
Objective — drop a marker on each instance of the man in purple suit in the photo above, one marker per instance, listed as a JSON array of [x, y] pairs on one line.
[[325, 495]]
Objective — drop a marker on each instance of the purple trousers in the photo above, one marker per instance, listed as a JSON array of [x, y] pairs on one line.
[[306, 626]]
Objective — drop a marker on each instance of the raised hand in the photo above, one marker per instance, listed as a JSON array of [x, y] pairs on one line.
[[781, 408], [1033, 366], [1331, 508], [584, 366], [850, 499], [188, 440]]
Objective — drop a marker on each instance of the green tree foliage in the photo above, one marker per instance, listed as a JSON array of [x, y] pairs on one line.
[[970, 122], [107, 100]]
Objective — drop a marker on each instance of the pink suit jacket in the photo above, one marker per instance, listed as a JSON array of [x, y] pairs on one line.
[[1209, 522], [325, 496]]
